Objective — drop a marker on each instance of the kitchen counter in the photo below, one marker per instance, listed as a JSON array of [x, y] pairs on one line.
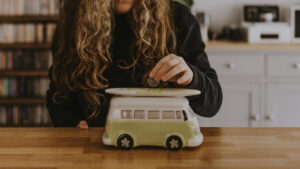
[[233, 46], [232, 148]]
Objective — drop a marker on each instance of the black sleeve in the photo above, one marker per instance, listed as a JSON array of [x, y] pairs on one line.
[[68, 113], [192, 49]]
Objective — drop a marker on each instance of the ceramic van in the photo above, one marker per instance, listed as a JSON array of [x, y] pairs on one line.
[[155, 120]]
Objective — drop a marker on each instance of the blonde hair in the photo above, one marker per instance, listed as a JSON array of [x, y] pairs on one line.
[[84, 38]]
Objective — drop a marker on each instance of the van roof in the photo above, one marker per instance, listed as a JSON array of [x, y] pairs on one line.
[[122, 101], [161, 92]]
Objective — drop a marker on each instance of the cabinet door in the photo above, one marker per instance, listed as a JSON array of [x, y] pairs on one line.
[[283, 105], [240, 108]]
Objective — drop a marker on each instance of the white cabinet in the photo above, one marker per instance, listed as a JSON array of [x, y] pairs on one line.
[[283, 90], [237, 64], [283, 105], [284, 65], [259, 88], [240, 75], [241, 106]]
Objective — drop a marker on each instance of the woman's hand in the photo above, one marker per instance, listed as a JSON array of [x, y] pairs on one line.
[[83, 125], [172, 68]]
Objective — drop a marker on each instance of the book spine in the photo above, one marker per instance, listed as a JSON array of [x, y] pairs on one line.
[[40, 33], [1, 33], [1, 7], [1, 55], [1, 88], [6, 7], [22, 33], [16, 93], [16, 118], [3, 116], [11, 86], [50, 32], [5, 87], [7, 61], [3, 61], [11, 7]]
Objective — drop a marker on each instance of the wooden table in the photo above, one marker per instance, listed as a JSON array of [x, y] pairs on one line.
[[232, 148], [244, 46]]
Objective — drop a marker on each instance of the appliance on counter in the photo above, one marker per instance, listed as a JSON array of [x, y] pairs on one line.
[[295, 23], [262, 26], [269, 33], [232, 33], [259, 13], [204, 22]]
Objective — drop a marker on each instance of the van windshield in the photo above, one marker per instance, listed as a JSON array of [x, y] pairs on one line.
[[191, 112]]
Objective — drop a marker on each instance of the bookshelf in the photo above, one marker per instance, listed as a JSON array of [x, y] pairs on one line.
[[26, 31], [23, 74], [28, 19], [25, 46], [22, 101]]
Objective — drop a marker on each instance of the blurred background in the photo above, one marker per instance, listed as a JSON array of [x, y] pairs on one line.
[[253, 44], [26, 30]]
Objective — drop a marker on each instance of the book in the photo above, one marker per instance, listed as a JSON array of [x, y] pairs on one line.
[[29, 7], [27, 116], [24, 87], [3, 116], [26, 33], [50, 32]]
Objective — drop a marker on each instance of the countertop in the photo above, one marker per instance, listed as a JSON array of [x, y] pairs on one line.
[[232, 148], [228, 45]]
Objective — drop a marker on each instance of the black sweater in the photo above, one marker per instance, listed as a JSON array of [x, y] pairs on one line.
[[190, 47]]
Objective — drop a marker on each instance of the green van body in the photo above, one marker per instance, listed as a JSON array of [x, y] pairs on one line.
[[152, 132]]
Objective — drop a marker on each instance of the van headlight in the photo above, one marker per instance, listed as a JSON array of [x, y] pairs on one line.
[[196, 130]]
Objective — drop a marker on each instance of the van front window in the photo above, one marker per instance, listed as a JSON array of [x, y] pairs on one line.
[[191, 112], [178, 114], [185, 115]]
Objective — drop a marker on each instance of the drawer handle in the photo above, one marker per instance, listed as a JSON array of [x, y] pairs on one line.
[[270, 117], [231, 66], [297, 66], [255, 117]]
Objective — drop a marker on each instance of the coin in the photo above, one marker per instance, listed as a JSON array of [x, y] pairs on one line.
[[152, 82]]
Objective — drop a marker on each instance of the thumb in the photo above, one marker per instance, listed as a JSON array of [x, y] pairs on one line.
[[83, 125]]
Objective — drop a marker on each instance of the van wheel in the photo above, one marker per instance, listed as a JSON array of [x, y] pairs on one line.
[[125, 142], [174, 143]]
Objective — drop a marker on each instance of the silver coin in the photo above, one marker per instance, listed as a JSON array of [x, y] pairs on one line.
[[152, 82]]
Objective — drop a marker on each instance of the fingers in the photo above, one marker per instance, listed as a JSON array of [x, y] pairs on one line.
[[164, 65], [173, 72], [185, 79], [83, 125], [157, 67], [172, 68], [173, 79]]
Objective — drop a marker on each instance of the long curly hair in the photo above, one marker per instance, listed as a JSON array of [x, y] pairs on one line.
[[84, 36]]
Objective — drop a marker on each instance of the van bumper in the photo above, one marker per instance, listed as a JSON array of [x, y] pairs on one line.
[[196, 141], [105, 140]]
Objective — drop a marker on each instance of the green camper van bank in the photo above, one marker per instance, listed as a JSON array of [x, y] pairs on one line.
[[151, 121]]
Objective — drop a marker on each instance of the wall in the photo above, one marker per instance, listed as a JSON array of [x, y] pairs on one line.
[[226, 12]]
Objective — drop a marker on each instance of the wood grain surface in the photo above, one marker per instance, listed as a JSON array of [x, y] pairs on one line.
[[232, 148], [244, 46]]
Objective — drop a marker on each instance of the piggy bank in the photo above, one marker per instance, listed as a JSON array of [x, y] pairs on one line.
[[151, 117]]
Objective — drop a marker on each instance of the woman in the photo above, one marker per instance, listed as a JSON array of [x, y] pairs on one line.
[[103, 44]]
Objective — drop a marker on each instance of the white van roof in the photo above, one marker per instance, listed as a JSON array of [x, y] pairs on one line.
[[161, 92], [148, 102]]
